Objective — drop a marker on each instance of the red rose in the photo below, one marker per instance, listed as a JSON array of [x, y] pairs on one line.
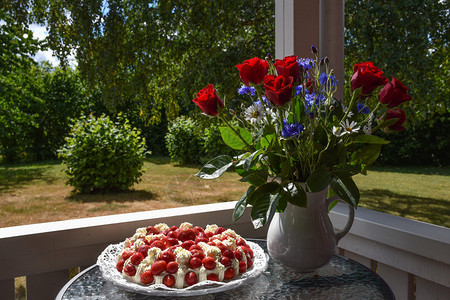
[[368, 76], [278, 89], [208, 101], [253, 70], [288, 66], [393, 93], [396, 114]]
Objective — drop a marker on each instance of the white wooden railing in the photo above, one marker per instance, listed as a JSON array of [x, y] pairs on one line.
[[413, 257]]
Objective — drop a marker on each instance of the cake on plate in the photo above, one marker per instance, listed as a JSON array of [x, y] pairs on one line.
[[183, 256]]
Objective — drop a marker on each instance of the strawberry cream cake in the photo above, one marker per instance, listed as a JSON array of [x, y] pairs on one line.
[[182, 256]]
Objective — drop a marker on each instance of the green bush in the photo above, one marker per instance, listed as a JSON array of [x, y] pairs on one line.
[[213, 145], [184, 142], [102, 155], [192, 141]]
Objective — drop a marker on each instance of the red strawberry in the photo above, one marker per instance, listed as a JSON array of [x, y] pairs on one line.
[[197, 247], [249, 262], [186, 235], [147, 277], [225, 261], [136, 258], [173, 228], [237, 255], [195, 263], [129, 269], [158, 267], [152, 230], [173, 234], [119, 265], [241, 242], [172, 241], [158, 244], [198, 253], [169, 280], [209, 234], [187, 244], [219, 230], [199, 229], [209, 263], [127, 254], [167, 256], [191, 278], [144, 250], [242, 266], [228, 253], [172, 267], [229, 273], [199, 239], [212, 277]]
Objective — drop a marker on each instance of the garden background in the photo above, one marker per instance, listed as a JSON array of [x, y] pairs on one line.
[[147, 60]]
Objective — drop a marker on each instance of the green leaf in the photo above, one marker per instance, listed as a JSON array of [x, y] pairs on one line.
[[215, 167], [318, 180], [275, 162], [347, 169], [264, 200], [367, 155], [232, 139], [257, 177], [294, 193], [346, 189], [241, 205], [368, 139], [248, 162], [268, 136]]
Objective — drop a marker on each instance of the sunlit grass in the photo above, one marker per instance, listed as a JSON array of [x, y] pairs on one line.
[[34, 193]]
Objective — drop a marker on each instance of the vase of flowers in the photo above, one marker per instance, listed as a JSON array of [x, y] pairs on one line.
[[299, 145]]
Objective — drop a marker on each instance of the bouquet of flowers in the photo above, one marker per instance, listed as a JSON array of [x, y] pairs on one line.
[[295, 137]]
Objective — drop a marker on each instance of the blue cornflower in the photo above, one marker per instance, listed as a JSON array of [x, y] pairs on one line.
[[363, 109], [304, 63], [323, 78], [313, 99], [291, 130], [299, 90], [247, 90]]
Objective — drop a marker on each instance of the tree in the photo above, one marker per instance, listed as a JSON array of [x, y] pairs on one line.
[[157, 53], [408, 40]]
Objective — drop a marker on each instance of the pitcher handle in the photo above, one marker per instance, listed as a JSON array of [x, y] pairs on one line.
[[351, 217]]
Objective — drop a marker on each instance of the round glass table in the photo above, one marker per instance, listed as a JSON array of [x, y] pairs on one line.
[[342, 278]]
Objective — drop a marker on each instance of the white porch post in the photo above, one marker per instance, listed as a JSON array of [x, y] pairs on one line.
[[302, 23], [331, 41]]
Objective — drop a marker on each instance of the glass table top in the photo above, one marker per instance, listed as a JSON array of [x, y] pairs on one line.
[[342, 278]]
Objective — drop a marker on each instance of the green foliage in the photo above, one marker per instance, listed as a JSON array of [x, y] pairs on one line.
[[387, 33], [102, 155], [183, 141], [156, 54], [190, 141]]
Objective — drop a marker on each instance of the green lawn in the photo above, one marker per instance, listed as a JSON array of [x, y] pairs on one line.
[[34, 193]]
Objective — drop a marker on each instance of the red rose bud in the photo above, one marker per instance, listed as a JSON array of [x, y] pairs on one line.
[[368, 76], [253, 70], [208, 101], [396, 114], [288, 66], [393, 93], [278, 89]]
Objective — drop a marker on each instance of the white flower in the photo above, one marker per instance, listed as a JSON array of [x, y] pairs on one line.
[[337, 131], [255, 113], [349, 127]]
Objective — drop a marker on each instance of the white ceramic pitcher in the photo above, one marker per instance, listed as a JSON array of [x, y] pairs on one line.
[[303, 238]]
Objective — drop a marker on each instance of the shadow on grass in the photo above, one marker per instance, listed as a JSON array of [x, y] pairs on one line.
[[13, 177], [443, 171], [424, 209], [129, 196]]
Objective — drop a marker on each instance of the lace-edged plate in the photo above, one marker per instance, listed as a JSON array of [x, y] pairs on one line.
[[108, 259]]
